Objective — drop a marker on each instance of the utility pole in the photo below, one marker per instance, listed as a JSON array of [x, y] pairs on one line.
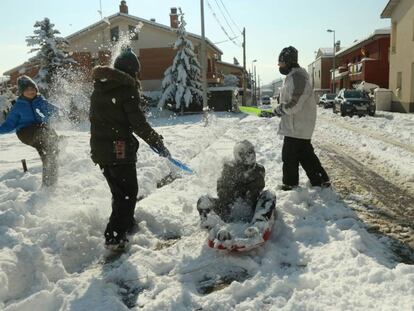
[[258, 78], [203, 65], [333, 61], [255, 87], [244, 67]]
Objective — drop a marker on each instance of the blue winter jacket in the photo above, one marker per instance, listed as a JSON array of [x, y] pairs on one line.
[[25, 113]]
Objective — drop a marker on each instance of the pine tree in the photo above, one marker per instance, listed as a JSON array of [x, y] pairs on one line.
[[182, 86], [51, 52]]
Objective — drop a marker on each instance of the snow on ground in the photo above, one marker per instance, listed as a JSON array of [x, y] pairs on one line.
[[384, 142], [320, 256]]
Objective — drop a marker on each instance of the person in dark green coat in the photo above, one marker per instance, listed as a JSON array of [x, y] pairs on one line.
[[115, 117]]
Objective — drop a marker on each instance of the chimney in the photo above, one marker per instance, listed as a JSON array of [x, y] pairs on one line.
[[123, 8], [174, 18], [337, 46], [152, 20]]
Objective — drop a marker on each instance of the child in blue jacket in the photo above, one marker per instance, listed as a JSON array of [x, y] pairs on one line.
[[29, 117]]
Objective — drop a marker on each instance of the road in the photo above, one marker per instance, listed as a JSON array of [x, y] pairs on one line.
[[350, 152]]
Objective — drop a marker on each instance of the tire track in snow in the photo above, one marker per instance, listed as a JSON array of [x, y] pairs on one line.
[[368, 133], [389, 209]]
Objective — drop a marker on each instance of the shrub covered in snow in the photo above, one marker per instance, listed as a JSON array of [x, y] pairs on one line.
[[5, 103], [231, 80], [182, 86]]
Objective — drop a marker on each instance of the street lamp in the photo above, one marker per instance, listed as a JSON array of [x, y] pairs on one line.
[[333, 63], [254, 81]]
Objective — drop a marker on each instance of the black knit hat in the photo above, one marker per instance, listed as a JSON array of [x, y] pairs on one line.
[[23, 83], [289, 56], [127, 61]]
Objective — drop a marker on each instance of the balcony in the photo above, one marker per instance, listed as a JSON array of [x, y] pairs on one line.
[[361, 70]]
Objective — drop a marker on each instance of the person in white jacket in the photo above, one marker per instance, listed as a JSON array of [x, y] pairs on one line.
[[297, 110]]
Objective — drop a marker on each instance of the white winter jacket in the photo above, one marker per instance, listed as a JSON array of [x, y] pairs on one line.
[[298, 105]]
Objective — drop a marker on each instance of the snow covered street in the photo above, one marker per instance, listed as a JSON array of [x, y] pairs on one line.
[[321, 255]]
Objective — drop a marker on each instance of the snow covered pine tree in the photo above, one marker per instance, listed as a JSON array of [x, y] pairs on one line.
[[51, 52], [181, 87]]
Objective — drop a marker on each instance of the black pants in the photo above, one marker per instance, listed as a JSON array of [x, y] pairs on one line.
[[122, 180], [297, 151], [45, 141]]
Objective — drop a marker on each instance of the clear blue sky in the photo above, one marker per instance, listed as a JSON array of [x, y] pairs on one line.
[[270, 24]]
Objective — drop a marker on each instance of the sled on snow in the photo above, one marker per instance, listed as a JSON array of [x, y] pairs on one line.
[[239, 241]]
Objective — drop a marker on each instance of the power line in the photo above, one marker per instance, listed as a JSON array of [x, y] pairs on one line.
[[237, 27], [221, 26], [226, 40], [224, 16]]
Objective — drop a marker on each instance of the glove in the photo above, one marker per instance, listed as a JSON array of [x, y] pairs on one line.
[[279, 111], [162, 151]]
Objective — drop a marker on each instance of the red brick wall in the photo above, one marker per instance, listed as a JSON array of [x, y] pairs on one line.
[[84, 61], [29, 70], [104, 58], [374, 71], [326, 68]]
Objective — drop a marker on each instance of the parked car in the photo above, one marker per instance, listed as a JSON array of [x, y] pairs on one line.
[[266, 100], [353, 102], [327, 100]]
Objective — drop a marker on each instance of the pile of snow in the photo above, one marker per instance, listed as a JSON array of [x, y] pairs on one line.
[[51, 255]]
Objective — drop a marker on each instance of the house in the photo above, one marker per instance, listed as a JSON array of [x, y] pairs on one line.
[[95, 44], [365, 60], [401, 75], [320, 70], [224, 68]]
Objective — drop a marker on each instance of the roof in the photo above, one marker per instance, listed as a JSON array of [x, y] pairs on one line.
[[326, 51], [138, 19], [377, 33], [229, 64], [389, 8], [30, 63], [4, 79]]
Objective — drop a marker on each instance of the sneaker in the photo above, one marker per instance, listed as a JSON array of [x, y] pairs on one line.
[[223, 235], [326, 184], [286, 187]]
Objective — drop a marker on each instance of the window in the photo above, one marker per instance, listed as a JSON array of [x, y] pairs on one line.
[[399, 84], [394, 38], [412, 82], [133, 32], [115, 33]]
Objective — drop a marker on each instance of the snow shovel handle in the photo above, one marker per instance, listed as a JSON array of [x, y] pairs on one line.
[[176, 162]]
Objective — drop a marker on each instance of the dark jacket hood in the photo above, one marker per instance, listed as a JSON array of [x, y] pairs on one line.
[[108, 78]]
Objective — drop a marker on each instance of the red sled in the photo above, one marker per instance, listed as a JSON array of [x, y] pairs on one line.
[[244, 244]]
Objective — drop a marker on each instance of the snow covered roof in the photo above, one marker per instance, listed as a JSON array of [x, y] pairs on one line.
[[223, 88], [229, 64], [30, 63], [325, 51], [377, 33], [4, 79], [138, 19], [389, 8]]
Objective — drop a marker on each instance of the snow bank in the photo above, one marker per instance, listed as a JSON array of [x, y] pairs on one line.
[[320, 257]]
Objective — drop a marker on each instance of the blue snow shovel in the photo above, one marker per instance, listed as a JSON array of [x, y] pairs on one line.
[[177, 163]]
